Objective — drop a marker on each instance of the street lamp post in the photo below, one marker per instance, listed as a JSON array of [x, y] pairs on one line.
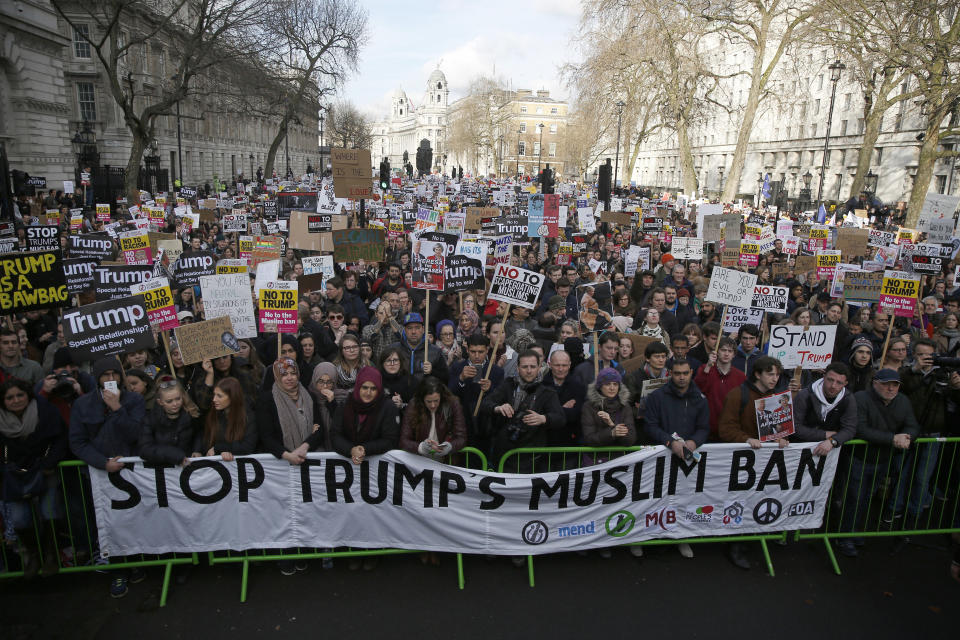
[[835, 70], [540, 148], [286, 144], [251, 167], [759, 189], [500, 164], [616, 163], [322, 166], [519, 132], [179, 146], [870, 186], [805, 191]]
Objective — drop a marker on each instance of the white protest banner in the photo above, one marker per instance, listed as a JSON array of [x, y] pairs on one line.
[[769, 298], [631, 261], [774, 416], [936, 206], [687, 248], [585, 220], [235, 222], [791, 245], [402, 500], [229, 295], [837, 284], [516, 286], [736, 317], [318, 264], [794, 347], [729, 286], [501, 249], [476, 249]]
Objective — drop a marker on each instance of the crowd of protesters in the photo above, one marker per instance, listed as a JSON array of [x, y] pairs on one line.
[[369, 371]]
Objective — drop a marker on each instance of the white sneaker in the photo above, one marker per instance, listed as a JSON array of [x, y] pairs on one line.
[[636, 551], [685, 550]]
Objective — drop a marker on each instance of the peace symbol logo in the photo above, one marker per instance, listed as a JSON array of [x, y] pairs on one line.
[[767, 511]]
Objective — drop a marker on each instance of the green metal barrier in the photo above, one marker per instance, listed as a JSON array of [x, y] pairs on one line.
[[73, 534], [543, 460], [468, 457], [880, 491]]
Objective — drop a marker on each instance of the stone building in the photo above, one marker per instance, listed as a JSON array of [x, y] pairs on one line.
[[411, 122], [54, 91], [788, 137]]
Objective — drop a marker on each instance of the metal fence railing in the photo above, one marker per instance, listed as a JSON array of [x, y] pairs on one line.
[[880, 491], [63, 525]]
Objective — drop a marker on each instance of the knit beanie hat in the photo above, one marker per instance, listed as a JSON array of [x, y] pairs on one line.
[[607, 375]]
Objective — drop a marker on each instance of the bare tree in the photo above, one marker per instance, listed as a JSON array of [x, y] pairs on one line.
[[919, 39], [765, 28], [199, 34], [615, 68], [348, 126], [479, 119], [317, 42]]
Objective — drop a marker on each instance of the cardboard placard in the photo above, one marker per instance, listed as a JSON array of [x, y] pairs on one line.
[[616, 218], [862, 286], [352, 173], [209, 339], [732, 287], [852, 243], [302, 238], [353, 245]]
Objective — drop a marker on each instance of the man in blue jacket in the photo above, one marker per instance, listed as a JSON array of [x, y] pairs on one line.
[[104, 427], [413, 342]]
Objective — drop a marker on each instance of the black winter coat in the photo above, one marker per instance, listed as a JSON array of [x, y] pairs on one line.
[[165, 441]]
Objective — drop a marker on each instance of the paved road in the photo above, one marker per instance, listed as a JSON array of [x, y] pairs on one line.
[[907, 595]]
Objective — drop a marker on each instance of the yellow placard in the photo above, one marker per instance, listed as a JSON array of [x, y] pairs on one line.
[[819, 234], [132, 243], [749, 248], [158, 298]]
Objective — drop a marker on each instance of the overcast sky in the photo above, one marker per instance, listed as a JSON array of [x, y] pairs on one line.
[[525, 41]]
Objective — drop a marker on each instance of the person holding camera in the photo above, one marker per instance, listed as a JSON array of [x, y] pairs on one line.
[[522, 410], [932, 386], [65, 384]]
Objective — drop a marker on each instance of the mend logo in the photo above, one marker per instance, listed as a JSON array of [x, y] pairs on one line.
[[572, 530]]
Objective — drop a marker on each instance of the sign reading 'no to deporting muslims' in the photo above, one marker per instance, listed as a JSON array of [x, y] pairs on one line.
[[517, 286]]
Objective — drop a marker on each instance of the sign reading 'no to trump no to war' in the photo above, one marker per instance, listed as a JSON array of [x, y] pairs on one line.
[[514, 285], [406, 501]]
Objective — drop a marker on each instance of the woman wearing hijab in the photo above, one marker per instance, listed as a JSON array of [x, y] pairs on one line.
[[290, 348], [34, 440], [367, 424], [321, 386], [469, 325]]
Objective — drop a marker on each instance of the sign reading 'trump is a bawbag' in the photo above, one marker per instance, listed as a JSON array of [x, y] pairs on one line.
[[406, 501]]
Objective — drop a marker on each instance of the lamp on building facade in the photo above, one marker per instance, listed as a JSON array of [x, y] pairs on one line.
[[539, 149], [836, 69], [84, 143], [870, 183], [251, 167], [805, 193], [759, 187]]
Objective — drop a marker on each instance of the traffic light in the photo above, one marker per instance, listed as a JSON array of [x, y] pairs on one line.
[[603, 182], [384, 175], [547, 181]]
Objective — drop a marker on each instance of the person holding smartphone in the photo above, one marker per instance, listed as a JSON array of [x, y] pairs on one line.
[[105, 425]]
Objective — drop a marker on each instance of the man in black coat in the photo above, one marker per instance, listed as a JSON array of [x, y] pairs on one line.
[[571, 393], [522, 410]]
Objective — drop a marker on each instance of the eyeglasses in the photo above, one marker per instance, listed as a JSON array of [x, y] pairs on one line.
[[327, 382], [350, 347], [335, 316]]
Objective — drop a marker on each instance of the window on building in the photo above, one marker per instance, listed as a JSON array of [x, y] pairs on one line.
[[121, 43], [87, 101], [843, 157], [803, 109], [162, 62], [539, 109], [523, 127], [523, 147], [554, 110], [536, 148], [523, 108], [553, 128], [81, 48], [859, 125], [879, 157], [820, 81], [941, 183], [553, 149], [800, 131], [816, 106], [813, 130], [847, 98], [843, 127]]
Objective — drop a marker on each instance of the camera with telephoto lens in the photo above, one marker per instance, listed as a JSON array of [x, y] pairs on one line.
[[946, 363], [516, 427]]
